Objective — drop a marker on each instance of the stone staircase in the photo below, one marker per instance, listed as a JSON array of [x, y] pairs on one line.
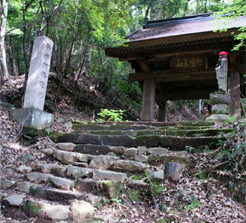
[[95, 160]]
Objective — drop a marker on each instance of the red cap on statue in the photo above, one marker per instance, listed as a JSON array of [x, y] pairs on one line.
[[223, 53]]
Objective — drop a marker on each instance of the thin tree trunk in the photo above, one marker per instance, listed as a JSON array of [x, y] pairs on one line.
[[147, 10], [4, 67], [136, 24]]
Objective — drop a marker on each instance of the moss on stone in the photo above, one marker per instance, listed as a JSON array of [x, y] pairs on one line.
[[196, 123], [32, 131], [55, 135], [31, 208]]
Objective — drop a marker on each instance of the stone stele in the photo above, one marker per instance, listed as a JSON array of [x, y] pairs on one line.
[[38, 73], [32, 113]]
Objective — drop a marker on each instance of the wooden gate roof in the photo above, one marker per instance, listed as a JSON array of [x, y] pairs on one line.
[[176, 32]]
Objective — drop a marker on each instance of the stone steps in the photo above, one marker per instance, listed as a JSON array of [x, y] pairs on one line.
[[97, 159]]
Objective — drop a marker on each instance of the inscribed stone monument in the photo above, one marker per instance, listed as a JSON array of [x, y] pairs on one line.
[[32, 113], [38, 73]]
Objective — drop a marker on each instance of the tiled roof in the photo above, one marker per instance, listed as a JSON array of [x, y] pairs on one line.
[[184, 26]]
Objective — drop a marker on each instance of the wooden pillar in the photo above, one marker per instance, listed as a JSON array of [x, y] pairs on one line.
[[148, 100], [162, 111], [234, 90]]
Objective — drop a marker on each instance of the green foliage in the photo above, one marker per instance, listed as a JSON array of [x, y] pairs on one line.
[[233, 11], [133, 195], [163, 208], [101, 203], [156, 188], [111, 115], [190, 149], [195, 203], [47, 131], [233, 150]]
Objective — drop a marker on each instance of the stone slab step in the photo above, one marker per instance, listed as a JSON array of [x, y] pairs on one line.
[[106, 188], [112, 132], [65, 171], [110, 126], [196, 123], [142, 140], [54, 194], [92, 149], [185, 132], [70, 157], [109, 175], [50, 179], [171, 157]]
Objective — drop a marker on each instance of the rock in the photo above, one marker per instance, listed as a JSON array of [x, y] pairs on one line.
[[47, 152], [79, 138], [14, 200], [175, 158], [27, 157], [159, 175], [88, 186], [147, 140], [67, 146], [142, 149], [117, 140], [9, 172], [56, 212], [117, 149], [166, 141], [68, 124], [24, 169], [102, 162], [109, 175], [46, 168], [33, 208], [80, 164], [3, 195], [173, 171], [77, 171], [7, 105], [62, 182], [92, 149], [157, 151], [60, 120], [25, 186], [38, 177], [132, 152], [82, 212], [59, 170], [64, 157], [6, 184], [83, 157], [141, 158], [133, 183], [54, 194], [93, 199], [56, 181], [128, 165]]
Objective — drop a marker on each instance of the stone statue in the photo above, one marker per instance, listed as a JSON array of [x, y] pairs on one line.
[[220, 100], [221, 71]]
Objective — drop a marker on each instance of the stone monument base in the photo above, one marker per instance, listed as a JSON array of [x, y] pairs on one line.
[[33, 117], [218, 118], [220, 109]]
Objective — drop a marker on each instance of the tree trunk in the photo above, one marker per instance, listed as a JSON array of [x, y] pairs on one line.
[[3, 62], [136, 24]]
